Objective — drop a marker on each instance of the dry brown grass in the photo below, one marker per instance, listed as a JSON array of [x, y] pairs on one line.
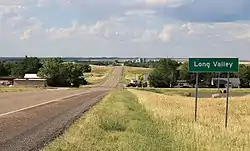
[[245, 63], [98, 74], [175, 114], [4, 89]]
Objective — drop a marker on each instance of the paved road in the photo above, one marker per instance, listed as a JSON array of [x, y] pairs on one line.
[[28, 120]]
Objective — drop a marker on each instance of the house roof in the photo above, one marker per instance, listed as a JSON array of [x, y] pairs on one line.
[[31, 76], [7, 78], [235, 81], [30, 79]]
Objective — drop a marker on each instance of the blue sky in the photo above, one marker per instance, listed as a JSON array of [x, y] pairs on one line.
[[125, 28]]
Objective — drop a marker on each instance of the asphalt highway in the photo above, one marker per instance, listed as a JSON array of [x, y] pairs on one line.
[[29, 120]]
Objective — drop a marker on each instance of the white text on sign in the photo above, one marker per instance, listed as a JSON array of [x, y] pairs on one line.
[[216, 64]]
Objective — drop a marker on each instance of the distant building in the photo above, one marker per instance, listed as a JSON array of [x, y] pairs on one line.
[[6, 80], [31, 80], [183, 84], [139, 60], [233, 82]]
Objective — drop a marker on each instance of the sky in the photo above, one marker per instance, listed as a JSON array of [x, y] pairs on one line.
[[125, 28]]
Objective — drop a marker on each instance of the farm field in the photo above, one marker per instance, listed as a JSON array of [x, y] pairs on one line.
[[132, 72], [176, 113], [98, 74], [141, 120]]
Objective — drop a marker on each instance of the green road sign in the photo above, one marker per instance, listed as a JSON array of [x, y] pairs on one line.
[[213, 65]]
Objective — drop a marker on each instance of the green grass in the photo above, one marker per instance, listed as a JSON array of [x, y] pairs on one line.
[[117, 123]]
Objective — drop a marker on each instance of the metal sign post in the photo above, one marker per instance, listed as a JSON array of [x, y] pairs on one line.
[[218, 81], [226, 117], [196, 96], [204, 65]]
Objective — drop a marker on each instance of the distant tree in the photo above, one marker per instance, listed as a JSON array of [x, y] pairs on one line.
[[9, 66], [27, 65], [164, 75], [62, 74], [31, 64], [3, 70], [149, 64], [18, 70], [51, 71], [86, 68], [72, 74], [141, 79], [184, 74], [244, 75]]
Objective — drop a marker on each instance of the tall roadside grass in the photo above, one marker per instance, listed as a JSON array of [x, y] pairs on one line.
[[117, 123], [175, 114]]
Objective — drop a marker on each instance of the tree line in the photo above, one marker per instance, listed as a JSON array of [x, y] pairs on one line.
[[149, 64], [55, 70], [167, 71]]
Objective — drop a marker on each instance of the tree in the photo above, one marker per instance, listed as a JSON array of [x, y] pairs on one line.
[[18, 70], [51, 71], [8, 67], [244, 75], [31, 64], [26, 65], [86, 68], [164, 75], [59, 73], [3, 71], [72, 74]]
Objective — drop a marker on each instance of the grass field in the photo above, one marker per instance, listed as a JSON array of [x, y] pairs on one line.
[[4, 89], [132, 72], [158, 122], [175, 115], [98, 74]]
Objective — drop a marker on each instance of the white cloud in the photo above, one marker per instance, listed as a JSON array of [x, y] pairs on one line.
[[62, 33], [147, 35], [140, 12], [116, 25], [99, 29], [170, 3], [165, 34], [26, 34]]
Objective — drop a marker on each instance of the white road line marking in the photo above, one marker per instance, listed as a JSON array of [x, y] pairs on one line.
[[44, 103]]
